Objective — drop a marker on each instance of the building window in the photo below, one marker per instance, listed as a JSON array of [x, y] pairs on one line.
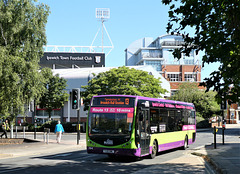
[[155, 64], [151, 54], [174, 77], [190, 77], [188, 61], [42, 112]]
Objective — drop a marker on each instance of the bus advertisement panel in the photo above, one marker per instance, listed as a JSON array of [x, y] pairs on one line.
[[138, 126]]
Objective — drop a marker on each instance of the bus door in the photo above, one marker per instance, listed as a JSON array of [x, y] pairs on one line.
[[144, 123]]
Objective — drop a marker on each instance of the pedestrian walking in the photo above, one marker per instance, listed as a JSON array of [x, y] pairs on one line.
[[5, 128], [58, 131]]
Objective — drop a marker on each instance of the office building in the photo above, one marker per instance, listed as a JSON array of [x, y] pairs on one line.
[[158, 54]]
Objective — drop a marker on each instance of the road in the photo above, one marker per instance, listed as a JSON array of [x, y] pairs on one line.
[[81, 162]]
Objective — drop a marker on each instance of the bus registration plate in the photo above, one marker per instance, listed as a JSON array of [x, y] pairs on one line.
[[108, 151]]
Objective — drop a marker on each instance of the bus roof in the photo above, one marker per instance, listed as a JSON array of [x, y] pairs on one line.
[[148, 98]]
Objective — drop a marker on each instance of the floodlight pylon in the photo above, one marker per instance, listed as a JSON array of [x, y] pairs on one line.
[[103, 14]]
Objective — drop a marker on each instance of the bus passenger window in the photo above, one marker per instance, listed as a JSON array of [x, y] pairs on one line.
[[185, 116], [179, 120], [163, 115], [154, 120], [171, 121], [191, 118]]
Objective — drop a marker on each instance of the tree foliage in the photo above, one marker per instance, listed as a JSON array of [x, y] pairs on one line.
[[217, 32], [22, 36], [55, 94], [205, 102], [123, 80]]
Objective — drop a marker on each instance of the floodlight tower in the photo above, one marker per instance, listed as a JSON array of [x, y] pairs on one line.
[[103, 14]]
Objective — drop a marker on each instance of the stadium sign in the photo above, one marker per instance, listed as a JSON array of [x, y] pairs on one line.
[[69, 59]]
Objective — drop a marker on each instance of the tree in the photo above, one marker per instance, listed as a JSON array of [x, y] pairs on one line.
[[22, 36], [217, 32], [187, 92], [123, 80], [55, 95], [205, 102]]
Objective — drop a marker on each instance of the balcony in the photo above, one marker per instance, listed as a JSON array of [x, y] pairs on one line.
[[149, 55], [172, 43]]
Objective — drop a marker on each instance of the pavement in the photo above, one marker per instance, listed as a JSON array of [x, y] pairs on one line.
[[224, 159], [40, 145]]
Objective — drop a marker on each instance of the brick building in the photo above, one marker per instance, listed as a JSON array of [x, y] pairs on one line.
[[233, 114], [177, 74]]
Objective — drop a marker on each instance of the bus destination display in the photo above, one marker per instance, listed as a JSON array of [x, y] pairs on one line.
[[112, 101]]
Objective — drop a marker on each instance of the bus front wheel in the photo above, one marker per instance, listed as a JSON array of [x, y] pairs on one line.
[[154, 150]]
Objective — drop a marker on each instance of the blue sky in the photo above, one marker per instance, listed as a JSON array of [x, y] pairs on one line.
[[73, 23]]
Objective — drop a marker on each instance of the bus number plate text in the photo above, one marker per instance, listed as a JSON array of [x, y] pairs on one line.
[[108, 151]]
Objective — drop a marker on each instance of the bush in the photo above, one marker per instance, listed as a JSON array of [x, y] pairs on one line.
[[68, 127], [202, 123], [49, 124], [31, 127]]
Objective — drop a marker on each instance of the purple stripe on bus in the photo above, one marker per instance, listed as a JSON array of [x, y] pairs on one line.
[[168, 146], [135, 152], [190, 141], [147, 98], [120, 152], [172, 145], [150, 149]]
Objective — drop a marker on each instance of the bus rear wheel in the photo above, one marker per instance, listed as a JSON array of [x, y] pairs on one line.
[[185, 145], [154, 150]]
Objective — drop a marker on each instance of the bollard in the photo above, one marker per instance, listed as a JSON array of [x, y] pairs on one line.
[[47, 137], [11, 133], [35, 130], [23, 131], [223, 129], [215, 137], [44, 137], [78, 133], [16, 132]]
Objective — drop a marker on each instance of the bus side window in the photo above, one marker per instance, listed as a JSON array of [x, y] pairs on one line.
[[191, 118], [137, 127], [141, 116], [154, 120], [171, 121], [185, 116], [179, 120], [163, 115]]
